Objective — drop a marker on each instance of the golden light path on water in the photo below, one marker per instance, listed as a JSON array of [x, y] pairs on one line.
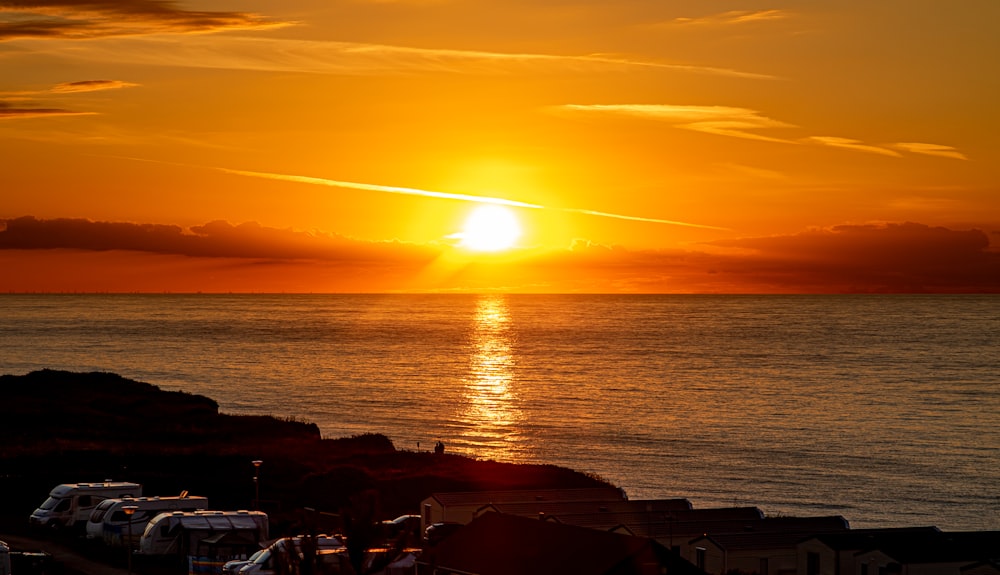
[[491, 413]]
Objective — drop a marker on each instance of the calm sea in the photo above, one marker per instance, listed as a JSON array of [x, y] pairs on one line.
[[883, 409]]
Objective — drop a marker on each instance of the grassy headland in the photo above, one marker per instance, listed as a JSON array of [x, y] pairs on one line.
[[65, 427]]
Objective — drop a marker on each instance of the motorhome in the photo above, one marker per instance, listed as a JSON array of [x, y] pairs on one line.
[[109, 521], [70, 504], [204, 533]]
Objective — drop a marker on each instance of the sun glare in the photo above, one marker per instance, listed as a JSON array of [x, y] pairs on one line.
[[490, 228]]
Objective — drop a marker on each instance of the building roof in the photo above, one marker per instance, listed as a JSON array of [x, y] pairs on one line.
[[498, 544], [774, 532], [858, 539], [676, 525], [587, 507], [943, 547], [528, 495]]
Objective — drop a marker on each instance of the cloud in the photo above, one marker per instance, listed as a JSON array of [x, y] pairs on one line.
[[888, 257], [739, 122], [734, 17], [216, 239], [850, 144], [84, 19], [349, 58], [89, 86], [450, 196], [8, 112], [875, 258], [719, 120], [382, 189], [930, 150]]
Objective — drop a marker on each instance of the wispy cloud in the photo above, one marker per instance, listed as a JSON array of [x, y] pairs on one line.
[[348, 58], [28, 106], [68, 88], [930, 150], [734, 17], [89, 86], [84, 19], [744, 123], [451, 196], [851, 144], [8, 112], [719, 120], [382, 189]]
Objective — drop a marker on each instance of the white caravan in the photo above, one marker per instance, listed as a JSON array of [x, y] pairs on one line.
[[110, 523], [204, 533], [70, 504]]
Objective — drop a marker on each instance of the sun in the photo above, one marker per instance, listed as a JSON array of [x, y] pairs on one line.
[[490, 228]]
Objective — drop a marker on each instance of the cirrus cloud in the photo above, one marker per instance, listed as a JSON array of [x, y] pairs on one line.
[[84, 19]]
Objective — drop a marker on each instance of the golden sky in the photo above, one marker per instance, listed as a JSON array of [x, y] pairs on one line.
[[643, 145]]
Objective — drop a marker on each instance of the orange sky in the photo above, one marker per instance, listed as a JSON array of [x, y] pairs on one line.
[[646, 145]]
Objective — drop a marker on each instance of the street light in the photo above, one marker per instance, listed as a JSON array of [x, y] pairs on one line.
[[256, 484], [129, 511]]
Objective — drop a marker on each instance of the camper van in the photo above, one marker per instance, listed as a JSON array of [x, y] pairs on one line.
[[70, 504], [109, 522], [205, 533]]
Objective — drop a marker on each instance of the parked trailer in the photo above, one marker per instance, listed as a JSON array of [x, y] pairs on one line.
[[70, 504], [110, 523], [215, 534]]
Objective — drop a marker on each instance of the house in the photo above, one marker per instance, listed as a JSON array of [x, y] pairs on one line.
[[597, 508], [669, 528], [942, 553], [833, 553], [498, 544], [461, 507], [765, 547]]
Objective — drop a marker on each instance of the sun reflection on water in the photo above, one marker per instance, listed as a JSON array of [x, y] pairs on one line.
[[492, 413]]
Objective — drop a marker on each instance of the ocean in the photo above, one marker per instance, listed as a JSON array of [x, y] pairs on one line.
[[882, 409]]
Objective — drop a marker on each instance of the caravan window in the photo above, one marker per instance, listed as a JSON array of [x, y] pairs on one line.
[[84, 501], [63, 505]]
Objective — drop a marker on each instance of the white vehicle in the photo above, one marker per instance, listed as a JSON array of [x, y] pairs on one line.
[[109, 521], [70, 504], [204, 533], [264, 563], [233, 566]]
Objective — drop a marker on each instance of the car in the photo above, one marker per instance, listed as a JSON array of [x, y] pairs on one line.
[[437, 532], [401, 524], [233, 567]]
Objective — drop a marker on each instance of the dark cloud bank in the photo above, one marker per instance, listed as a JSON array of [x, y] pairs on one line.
[[889, 258]]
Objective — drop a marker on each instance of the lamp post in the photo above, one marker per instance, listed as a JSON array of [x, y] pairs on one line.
[[256, 484], [129, 511]]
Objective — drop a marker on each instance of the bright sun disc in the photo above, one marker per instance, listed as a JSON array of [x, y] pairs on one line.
[[490, 229]]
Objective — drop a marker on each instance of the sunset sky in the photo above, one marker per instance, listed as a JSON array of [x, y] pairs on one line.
[[642, 145]]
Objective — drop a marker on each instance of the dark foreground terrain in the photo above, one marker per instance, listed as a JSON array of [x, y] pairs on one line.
[[62, 427]]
